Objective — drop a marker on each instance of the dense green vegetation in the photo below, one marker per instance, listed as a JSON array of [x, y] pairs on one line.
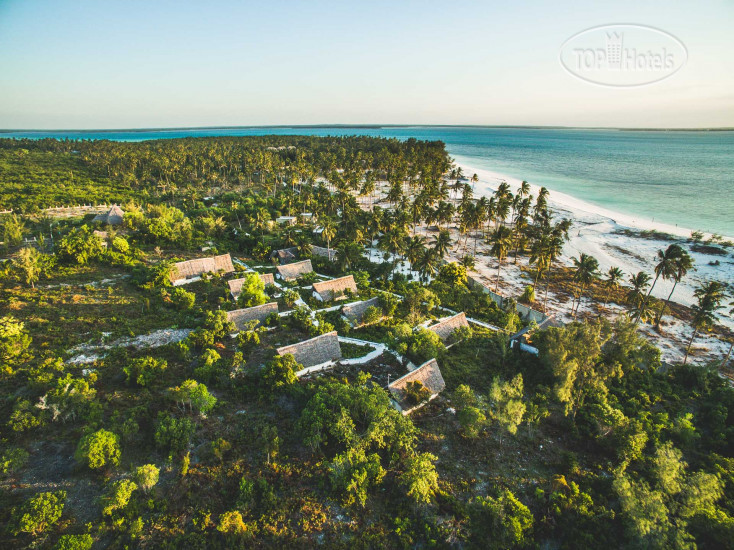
[[200, 440]]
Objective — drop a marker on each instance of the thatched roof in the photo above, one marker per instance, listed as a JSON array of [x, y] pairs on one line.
[[235, 285], [285, 255], [199, 266], [240, 317], [445, 327], [321, 252], [335, 288], [427, 374], [355, 311], [315, 351], [112, 217], [291, 272]]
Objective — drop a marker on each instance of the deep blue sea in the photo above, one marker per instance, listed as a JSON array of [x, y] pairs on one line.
[[676, 177]]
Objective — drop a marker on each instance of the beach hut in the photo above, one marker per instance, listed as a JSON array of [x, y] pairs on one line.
[[241, 317], [286, 220], [445, 328], [428, 374], [317, 351], [355, 311], [112, 217], [183, 271], [335, 289], [291, 272]]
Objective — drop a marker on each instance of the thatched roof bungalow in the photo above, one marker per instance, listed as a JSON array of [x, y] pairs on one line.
[[321, 252], [112, 217], [445, 328], [285, 255], [240, 317], [354, 312], [427, 374], [291, 272], [334, 289], [195, 268], [316, 351], [235, 285]]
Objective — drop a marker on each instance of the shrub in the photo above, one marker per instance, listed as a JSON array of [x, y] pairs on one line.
[[195, 395], [144, 370], [117, 496], [230, 523], [74, 542], [371, 315], [183, 299], [40, 512], [13, 459], [172, 433], [280, 372], [146, 476], [99, 449], [253, 291]]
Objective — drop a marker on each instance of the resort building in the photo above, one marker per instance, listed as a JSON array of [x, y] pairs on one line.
[[322, 350], [335, 289], [445, 328], [321, 252], [354, 312], [235, 285], [190, 269], [291, 272], [428, 374], [112, 217], [286, 220], [241, 317], [285, 255]]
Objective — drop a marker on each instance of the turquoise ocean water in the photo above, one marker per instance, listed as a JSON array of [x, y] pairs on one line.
[[682, 177]]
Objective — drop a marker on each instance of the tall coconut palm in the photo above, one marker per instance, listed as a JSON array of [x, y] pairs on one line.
[[501, 239], [636, 294], [682, 265], [586, 270], [708, 301], [665, 268], [328, 232], [611, 283], [441, 243], [414, 249]]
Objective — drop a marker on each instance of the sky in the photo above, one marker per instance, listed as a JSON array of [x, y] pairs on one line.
[[139, 64]]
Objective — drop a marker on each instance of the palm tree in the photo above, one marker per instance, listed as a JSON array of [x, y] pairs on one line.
[[414, 249], [665, 268], [683, 263], [428, 263], [501, 239], [614, 276], [328, 232], [636, 294], [708, 297], [587, 268], [441, 243]]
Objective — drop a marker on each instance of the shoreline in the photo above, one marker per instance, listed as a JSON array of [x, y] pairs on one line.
[[574, 205], [599, 232]]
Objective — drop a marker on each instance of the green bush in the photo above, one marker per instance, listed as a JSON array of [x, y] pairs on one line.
[[40, 512], [99, 449]]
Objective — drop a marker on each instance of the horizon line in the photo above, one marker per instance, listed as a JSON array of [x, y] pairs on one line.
[[368, 126]]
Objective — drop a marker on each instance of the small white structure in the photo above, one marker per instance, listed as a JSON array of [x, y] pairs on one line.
[[286, 220]]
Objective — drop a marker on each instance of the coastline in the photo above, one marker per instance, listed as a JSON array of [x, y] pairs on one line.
[[600, 232]]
